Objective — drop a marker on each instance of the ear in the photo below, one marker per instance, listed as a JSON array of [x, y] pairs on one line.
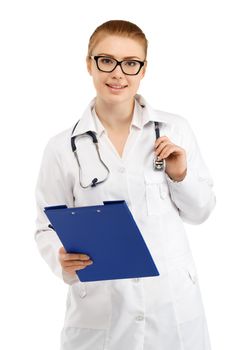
[[144, 70], [88, 62]]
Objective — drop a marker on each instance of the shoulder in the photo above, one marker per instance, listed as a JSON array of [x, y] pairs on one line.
[[174, 124], [172, 119], [59, 143], [176, 127]]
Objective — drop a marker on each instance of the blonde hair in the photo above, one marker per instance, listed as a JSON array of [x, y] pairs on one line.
[[120, 28]]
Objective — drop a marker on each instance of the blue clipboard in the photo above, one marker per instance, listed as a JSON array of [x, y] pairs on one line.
[[109, 235]]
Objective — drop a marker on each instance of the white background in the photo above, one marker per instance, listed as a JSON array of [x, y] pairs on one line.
[[44, 87]]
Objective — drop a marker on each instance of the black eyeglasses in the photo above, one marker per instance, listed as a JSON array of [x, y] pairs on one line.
[[108, 64]]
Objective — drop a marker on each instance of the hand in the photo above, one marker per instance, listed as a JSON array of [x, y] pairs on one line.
[[73, 262], [175, 156]]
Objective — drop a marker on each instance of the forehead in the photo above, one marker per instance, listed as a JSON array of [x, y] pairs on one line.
[[119, 47]]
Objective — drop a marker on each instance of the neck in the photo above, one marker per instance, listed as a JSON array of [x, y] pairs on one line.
[[114, 116]]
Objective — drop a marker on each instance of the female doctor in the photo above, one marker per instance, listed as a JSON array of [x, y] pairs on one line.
[[163, 312]]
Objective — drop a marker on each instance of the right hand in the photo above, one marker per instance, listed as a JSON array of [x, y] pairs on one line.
[[73, 262]]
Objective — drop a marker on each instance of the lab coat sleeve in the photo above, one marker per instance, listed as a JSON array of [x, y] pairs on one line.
[[51, 189], [193, 196]]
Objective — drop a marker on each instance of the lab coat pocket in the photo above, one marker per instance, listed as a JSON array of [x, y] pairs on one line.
[[157, 194], [187, 298], [89, 305], [82, 339]]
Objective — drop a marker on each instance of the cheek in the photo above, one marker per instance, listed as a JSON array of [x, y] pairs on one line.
[[99, 81], [134, 83]]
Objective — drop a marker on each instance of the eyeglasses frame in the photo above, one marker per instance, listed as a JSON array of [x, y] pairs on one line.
[[118, 63]]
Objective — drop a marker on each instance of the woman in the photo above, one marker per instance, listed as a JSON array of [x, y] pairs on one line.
[[163, 312]]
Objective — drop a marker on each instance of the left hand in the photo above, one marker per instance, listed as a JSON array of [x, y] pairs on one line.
[[175, 157]]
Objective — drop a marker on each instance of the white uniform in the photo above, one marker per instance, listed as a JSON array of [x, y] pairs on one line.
[[163, 312]]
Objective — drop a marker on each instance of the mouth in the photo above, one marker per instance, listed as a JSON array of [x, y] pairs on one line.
[[116, 86]]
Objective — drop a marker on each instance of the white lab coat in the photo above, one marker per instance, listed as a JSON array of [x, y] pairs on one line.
[[164, 312]]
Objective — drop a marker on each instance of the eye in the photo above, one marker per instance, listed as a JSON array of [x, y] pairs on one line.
[[130, 63], [106, 60]]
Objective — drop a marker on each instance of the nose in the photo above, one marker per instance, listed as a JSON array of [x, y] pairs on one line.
[[117, 73]]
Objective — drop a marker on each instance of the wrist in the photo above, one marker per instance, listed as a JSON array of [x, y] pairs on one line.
[[178, 178]]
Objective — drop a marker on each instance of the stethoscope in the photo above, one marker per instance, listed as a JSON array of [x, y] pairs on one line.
[[157, 164]]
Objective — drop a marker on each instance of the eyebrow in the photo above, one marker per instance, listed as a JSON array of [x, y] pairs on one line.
[[124, 58]]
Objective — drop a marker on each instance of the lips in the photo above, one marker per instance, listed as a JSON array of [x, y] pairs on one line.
[[116, 86]]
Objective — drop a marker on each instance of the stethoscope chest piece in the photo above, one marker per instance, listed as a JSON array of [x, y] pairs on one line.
[[158, 164]]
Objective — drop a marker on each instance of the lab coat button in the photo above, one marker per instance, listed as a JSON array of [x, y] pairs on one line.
[[136, 280], [163, 191], [121, 170], [140, 318], [82, 290], [82, 294]]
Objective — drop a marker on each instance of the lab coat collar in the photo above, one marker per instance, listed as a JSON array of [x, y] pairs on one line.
[[86, 122], [149, 114], [140, 117]]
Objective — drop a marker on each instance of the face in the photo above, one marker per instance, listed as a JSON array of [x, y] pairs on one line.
[[116, 87]]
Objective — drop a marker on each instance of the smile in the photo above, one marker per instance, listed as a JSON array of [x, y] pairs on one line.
[[116, 87]]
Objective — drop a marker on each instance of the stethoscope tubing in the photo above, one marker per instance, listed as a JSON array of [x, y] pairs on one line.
[[157, 164]]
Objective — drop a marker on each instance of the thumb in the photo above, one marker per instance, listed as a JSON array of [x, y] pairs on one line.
[[62, 250]]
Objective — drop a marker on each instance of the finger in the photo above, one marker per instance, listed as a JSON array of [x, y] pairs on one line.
[[61, 254], [76, 257], [161, 146], [168, 150], [75, 267], [72, 270], [161, 139], [62, 250], [77, 263]]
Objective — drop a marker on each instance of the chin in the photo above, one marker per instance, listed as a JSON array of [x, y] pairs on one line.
[[118, 98]]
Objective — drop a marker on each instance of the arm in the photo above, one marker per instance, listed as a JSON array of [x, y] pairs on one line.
[[52, 189], [191, 192]]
